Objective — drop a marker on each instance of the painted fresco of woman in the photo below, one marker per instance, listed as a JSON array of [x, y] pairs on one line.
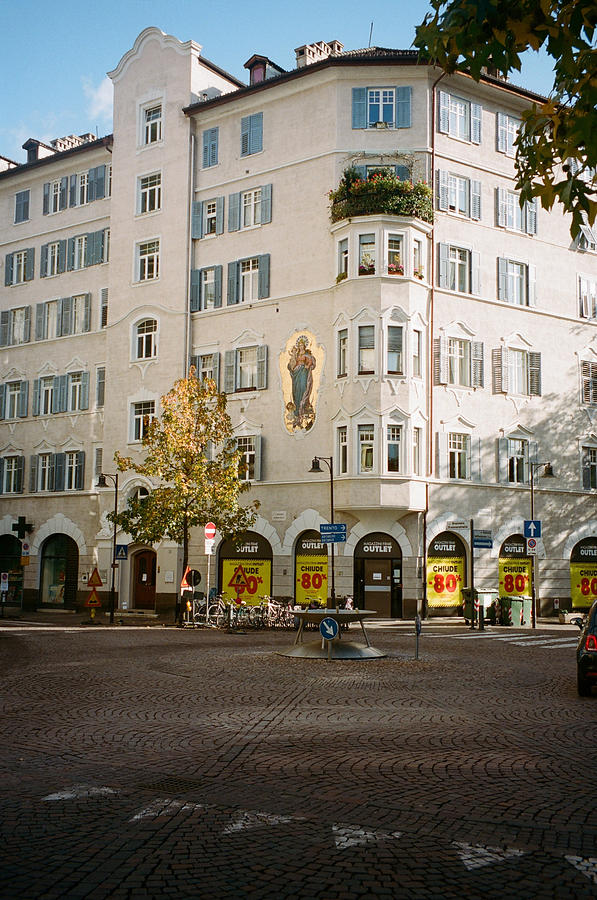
[[300, 366]]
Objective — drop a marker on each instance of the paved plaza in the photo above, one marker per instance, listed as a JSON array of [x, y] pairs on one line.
[[157, 762]]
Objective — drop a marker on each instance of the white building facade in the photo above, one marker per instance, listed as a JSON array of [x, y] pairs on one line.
[[434, 361]]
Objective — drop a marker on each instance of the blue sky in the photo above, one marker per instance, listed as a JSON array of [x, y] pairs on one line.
[[55, 55]]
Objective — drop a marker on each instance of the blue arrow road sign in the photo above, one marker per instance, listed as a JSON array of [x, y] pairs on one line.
[[328, 628], [532, 528], [333, 533]]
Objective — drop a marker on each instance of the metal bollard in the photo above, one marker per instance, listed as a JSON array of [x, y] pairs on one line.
[[417, 633]]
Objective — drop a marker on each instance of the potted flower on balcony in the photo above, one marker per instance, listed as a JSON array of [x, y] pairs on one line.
[[419, 273], [367, 265], [395, 269]]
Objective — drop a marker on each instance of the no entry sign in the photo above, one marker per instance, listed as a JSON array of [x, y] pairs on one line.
[[210, 531]]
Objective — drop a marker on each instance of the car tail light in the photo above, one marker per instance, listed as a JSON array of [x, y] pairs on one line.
[[591, 642]]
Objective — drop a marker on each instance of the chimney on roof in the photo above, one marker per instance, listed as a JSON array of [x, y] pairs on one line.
[[312, 53], [37, 150], [72, 140]]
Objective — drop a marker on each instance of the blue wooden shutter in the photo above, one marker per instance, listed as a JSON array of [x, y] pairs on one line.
[[70, 254], [442, 189], [476, 116], [29, 263], [213, 147], [104, 307], [206, 149], [444, 255], [36, 393], [87, 312], [8, 262], [100, 182], [258, 457], [1, 476], [234, 212], [245, 125], [21, 206], [4, 327], [197, 220], [72, 191], [444, 112], [62, 200], [84, 404], [89, 249], [59, 471], [46, 200], [263, 281], [232, 283], [261, 367], [20, 475], [266, 203], [40, 321], [403, 173], [27, 325], [80, 470], [216, 369], [502, 279], [66, 316], [229, 371], [219, 215], [256, 138], [403, 107], [475, 200], [359, 107], [33, 473], [61, 256], [43, 261], [60, 393], [217, 286], [195, 299], [2, 400], [534, 374], [23, 399]]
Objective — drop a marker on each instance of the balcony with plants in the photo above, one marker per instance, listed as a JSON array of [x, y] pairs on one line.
[[381, 194]]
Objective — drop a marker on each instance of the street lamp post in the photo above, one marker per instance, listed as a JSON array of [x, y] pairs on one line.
[[547, 473], [315, 467], [101, 482]]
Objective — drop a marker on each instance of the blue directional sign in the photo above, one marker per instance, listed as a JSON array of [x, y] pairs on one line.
[[532, 528], [482, 538], [328, 628], [333, 533], [122, 551]]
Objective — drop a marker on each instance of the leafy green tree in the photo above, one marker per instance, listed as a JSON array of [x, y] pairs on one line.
[[556, 156], [192, 459]]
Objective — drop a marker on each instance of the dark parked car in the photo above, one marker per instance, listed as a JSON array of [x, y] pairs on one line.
[[586, 653]]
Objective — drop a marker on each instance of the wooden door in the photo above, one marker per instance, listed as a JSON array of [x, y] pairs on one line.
[[144, 574], [378, 586]]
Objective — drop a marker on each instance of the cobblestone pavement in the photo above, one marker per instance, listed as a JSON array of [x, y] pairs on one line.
[[169, 763]]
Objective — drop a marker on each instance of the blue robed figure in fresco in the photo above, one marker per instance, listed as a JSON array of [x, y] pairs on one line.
[[300, 366]]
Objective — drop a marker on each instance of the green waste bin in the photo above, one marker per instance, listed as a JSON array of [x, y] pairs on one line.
[[505, 607], [526, 611], [516, 607]]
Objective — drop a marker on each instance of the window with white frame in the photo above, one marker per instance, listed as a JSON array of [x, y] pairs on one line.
[[586, 238], [100, 386], [149, 193], [12, 393], [146, 339], [516, 282], [366, 349], [589, 468], [249, 280], [75, 391], [342, 259], [510, 214], [208, 287], [366, 435], [588, 375], [19, 326], [82, 188], [506, 133], [251, 208], [394, 350], [587, 297], [210, 212], [79, 251], [45, 467], [46, 395], [148, 260], [459, 451], [13, 474], [206, 367], [458, 194], [143, 413], [79, 315], [455, 268], [366, 254], [245, 369], [246, 445], [381, 107], [152, 123], [72, 475], [342, 370], [417, 348], [395, 258], [516, 371], [342, 435], [56, 203], [381, 104], [416, 451], [393, 448], [518, 460], [21, 206], [459, 362], [16, 267], [459, 118], [418, 270]]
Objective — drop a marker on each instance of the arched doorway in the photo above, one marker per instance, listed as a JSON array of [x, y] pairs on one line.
[[515, 579], [583, 573], [144, 572], [310, 569], [446, 574], [59, 571], [10, 561], [378, 575], [245, 568]]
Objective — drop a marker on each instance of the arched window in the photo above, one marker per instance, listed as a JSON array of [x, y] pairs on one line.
[[146, 339]]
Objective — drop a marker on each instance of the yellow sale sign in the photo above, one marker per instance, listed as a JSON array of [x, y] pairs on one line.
[[515, 577], [246, 580], [311, 576], [583, 584], [445, 578]]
